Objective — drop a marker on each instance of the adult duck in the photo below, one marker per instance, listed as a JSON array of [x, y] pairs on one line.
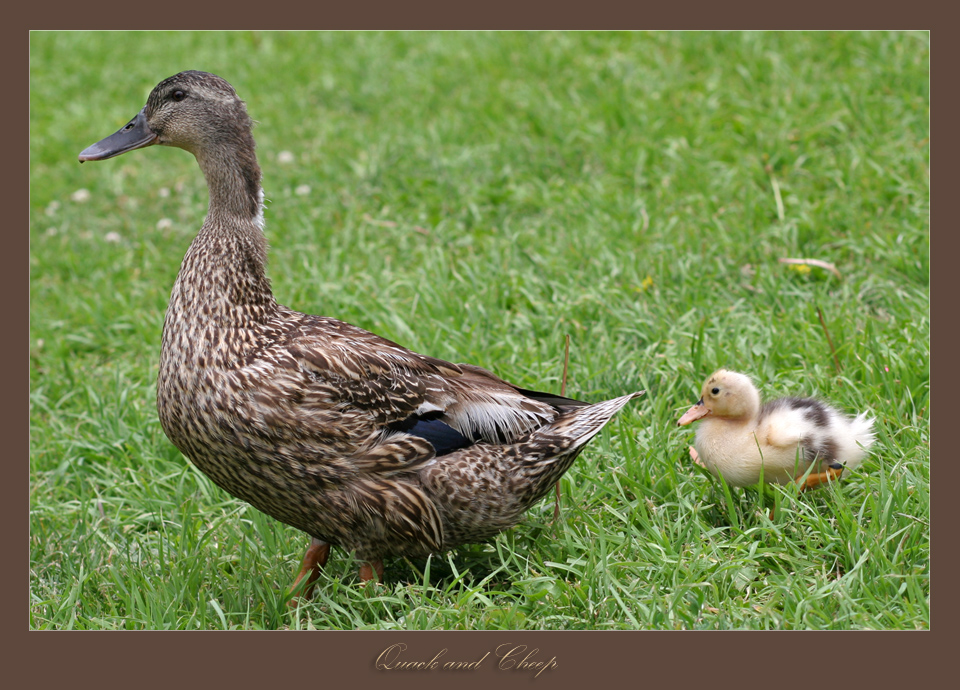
[[345, 435]]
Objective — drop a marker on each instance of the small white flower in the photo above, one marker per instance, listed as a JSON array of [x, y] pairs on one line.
[[302, 190], [52, 208], [81, 196], [51, 232], [164, 223], [163, 192], [285, 157], [112, 237]]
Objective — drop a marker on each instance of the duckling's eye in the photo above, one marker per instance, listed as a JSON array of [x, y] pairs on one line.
[[179, 95], [715, 391]]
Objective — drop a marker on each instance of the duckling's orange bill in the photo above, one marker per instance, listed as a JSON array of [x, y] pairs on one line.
[[694, 413]]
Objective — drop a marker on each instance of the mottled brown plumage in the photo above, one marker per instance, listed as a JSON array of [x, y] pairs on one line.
[[343, 434]]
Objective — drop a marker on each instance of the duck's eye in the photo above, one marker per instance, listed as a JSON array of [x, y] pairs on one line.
[[715, 391], [179, 95]]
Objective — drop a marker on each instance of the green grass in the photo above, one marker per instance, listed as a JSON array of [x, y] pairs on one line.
[[477, 197]]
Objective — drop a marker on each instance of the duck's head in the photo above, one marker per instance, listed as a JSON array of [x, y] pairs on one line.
[[196, 111], [725, 394]]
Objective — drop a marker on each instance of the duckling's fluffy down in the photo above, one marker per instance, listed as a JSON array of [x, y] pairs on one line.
[[820, 429], [745, 441]]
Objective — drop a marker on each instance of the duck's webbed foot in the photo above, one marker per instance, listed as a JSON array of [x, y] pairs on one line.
[[813, 481], [695, 456], [313, 561]]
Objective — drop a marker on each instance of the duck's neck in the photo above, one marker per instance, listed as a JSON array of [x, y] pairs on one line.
[[223, 278], [233, 177]]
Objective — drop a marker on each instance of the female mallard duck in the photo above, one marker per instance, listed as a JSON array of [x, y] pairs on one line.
[[343, 434], [740, 439]]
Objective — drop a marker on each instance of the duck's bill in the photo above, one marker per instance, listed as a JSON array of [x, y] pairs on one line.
[[134, 135], [693, 414]]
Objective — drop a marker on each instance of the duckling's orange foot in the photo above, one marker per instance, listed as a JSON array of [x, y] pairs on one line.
[[367, 570], [814, 480], [695, 456], [313, 561]]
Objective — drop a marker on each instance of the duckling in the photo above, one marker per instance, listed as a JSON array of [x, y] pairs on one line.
[[740, 439], [345, 435]]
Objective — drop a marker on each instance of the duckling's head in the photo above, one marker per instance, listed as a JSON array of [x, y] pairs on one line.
[[195, 111], [725, 394]]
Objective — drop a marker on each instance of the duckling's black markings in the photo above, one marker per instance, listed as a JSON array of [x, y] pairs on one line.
[[814, 410], [826, 450], [817, 414], [336, 431]]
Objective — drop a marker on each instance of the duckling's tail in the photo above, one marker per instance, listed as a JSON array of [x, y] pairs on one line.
[[863, 434]]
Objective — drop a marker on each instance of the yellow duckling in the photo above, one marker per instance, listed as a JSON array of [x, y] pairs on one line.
[[739, 438]]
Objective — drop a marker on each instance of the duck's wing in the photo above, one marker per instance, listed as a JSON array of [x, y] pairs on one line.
[[452, 406], [490, 408]]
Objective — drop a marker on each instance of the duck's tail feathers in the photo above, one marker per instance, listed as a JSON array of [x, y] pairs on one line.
[[583, 423], [549, 451]]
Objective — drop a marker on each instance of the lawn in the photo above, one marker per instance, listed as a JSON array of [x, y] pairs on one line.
[[478, 197]]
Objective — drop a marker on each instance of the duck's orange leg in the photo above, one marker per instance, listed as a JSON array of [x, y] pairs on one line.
[[695, 456], [313, 560], [814, 480], [367, 570]]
